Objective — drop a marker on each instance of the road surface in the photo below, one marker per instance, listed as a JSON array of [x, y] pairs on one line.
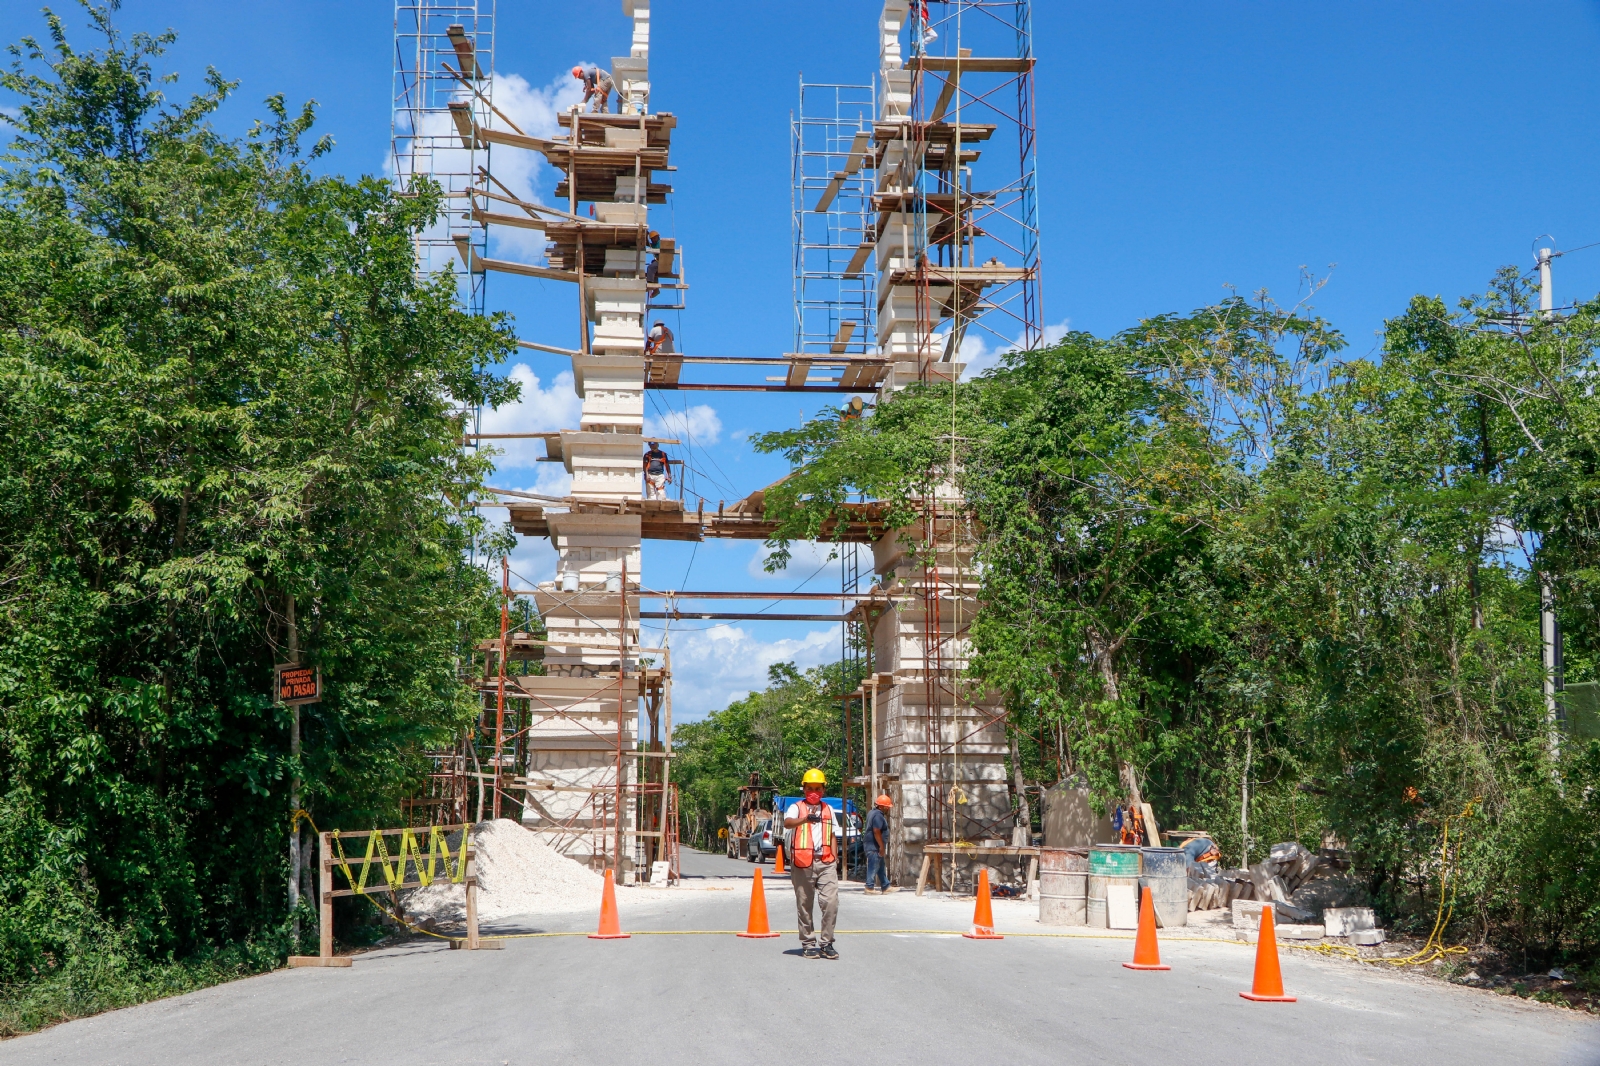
[[905, 997]]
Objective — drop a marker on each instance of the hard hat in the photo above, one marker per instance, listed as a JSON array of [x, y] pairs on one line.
[[577, 72], [814, 777], [883, 801]]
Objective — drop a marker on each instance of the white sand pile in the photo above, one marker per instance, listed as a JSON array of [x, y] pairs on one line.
[[517, 874]]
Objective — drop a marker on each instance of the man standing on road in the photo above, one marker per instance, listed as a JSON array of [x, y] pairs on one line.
[[877, 844], [811, 851]]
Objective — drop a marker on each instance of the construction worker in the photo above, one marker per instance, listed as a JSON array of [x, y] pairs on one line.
[[652, 270], [597, 88], [657, 472], [852, 410], [810, 846], [877, 844], [659, 340]]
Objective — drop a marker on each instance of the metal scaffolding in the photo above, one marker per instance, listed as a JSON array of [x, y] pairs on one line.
[[970, 177], [443, 85], [835, 289]]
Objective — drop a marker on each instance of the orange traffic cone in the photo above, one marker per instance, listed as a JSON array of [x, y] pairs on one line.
[[1146, 952], [1268, 984], [610, 924], [983, 914], [756, 928], [777, 860]]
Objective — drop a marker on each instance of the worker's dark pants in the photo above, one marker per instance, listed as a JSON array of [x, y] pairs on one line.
[[817, 882], [877, 871]]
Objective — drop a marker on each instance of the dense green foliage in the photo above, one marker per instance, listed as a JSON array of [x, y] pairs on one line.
[[1217, 559], [779, 733], [224, 395]]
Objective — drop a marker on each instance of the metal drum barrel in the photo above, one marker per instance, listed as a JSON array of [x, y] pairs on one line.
[[1063, 886], [1110, 864], [1166, 875]]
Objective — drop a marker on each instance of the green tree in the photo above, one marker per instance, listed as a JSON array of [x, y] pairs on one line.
[[224, 394]]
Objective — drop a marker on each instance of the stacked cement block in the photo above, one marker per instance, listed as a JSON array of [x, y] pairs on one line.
[[965, 752], [587, 705], [962, 744]]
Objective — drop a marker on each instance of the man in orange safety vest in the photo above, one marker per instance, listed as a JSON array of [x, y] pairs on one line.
[[811, 848]]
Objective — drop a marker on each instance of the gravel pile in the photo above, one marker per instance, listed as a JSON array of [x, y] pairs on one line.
[[517, 874]]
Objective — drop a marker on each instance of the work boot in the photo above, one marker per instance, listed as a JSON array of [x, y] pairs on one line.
[[827, 952], [892, 888], [871, 891], [811, 952]]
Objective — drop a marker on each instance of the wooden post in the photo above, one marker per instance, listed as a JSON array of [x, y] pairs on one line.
[[622, 673], [922, 877], [472, 890], [666, 762], [500, 694], [325, 899]]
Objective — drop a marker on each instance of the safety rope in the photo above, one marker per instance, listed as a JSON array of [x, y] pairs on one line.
[[436, 839]]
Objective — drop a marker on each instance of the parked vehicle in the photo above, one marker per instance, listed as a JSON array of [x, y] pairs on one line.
[[762, 843]]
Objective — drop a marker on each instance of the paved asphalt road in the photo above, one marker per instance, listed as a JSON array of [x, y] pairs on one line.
[[893, 998]]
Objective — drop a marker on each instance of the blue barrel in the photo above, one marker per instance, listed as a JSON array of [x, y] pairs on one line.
[[1165, 874]]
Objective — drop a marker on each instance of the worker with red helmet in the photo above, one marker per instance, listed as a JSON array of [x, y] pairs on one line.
[[597, 88], [877, 846]]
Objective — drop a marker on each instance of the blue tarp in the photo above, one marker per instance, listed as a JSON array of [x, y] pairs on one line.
[[832, 801]]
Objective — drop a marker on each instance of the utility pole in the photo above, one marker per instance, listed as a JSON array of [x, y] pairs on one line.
[[1549, 627], [1550, 636], [1547, 296]]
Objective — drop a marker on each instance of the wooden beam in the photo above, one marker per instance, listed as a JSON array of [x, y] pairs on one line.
[[464, 50], [519, 221], [841, 340], [734, 616], [858, 151], [970, 65], [858, 260], [947, 93], [547, 348], [461, 115], [829, 191]]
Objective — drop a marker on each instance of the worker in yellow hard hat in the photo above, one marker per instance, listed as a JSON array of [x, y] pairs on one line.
[[813, 827], [877, 845]]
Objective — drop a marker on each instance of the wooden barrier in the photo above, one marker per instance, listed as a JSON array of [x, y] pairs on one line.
[[327, 893]]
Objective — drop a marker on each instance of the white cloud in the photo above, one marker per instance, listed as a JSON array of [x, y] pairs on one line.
[[808, 562], [440, 153], [982, 353], [535, 111], [540, 410], [712, 667], [698, 425]]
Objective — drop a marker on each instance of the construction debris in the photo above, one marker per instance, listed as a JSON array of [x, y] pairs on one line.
[[1287, 872]]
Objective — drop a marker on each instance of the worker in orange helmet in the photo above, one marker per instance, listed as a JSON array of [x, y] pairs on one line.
[[810, 847], [597, 88], [877, 845]]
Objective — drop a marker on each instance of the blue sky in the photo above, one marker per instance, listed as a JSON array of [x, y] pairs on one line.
[[1396, 147]]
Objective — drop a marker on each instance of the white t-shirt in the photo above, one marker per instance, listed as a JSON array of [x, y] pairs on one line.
[[794, 812]]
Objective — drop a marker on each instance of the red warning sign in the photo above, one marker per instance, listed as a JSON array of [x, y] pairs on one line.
[[299, 684]]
